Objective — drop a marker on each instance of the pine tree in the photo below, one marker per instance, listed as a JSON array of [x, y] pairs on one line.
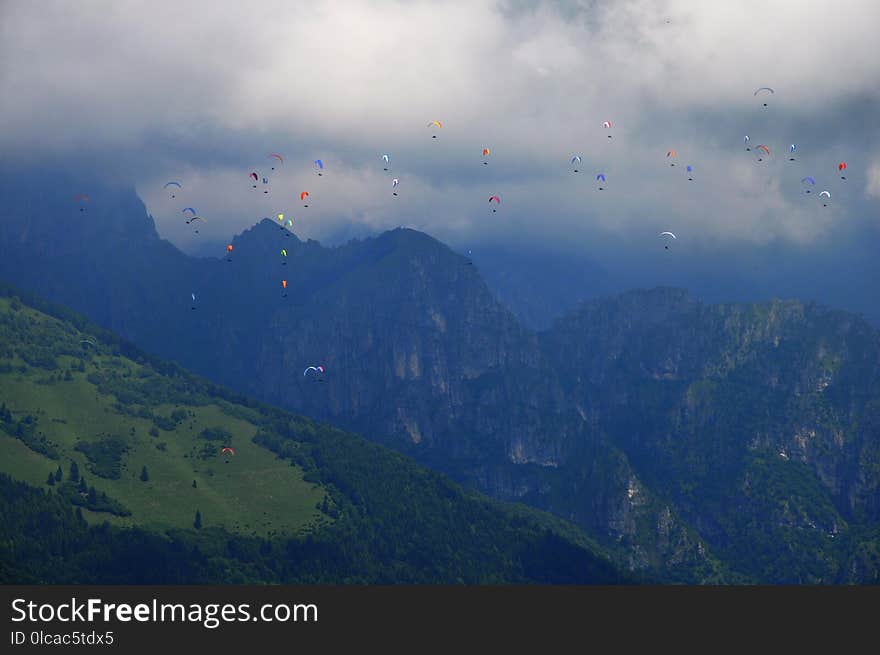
[[82, 485], [197, 524], [74, 472], [50, 480], [93, 496], [59, 475], [144, 475], [195, 486]]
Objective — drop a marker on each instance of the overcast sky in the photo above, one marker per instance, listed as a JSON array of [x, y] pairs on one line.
[[202, 92]]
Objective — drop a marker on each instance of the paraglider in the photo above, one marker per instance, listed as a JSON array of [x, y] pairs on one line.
[[387, 159], [840, 168], [575, 161], [496, 200], [275, 155], [761, 152], [667, 234], [671, 155], [808, 182], [265, 183], [600, 178], [193, 299], [763, 91], [192, 212], [394, 183], [303, 196], [319, 167], [284, 286], [791, 150], [436, 124], [690, 169], [319, 370], [172, 183], [280, 218], [607, 126], [827, 196], [89, 341], [81, 198], [746, 142], [255, 178], [284, 257], [486, 153], [227, 450], [229, 253]]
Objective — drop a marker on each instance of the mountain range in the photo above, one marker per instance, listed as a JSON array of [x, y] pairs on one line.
[[695, 442]]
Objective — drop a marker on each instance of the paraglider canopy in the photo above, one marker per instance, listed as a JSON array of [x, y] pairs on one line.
[[764, 90], [319, 166], [575, 161], [387, 159], [436, 124], [275, 155], [607, 126], [494, 199], [671, 155], [842, 167], [229, 248], [316, 369], [172, 183], [227, 450], [667, 234], [303, 196], [394, 183]]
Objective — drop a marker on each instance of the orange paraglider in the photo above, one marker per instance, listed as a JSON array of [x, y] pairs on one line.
[[842, 167], [229, 252], [303, 196]]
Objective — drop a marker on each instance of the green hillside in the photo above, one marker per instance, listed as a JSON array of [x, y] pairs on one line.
[[132, 446], [71, 397]]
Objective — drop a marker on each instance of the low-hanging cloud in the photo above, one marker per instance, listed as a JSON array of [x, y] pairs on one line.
[[203, 91]]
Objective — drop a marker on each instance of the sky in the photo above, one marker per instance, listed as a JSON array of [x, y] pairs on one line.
[[203, 91]]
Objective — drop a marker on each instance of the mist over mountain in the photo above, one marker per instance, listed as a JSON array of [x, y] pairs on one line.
[[701, 442]]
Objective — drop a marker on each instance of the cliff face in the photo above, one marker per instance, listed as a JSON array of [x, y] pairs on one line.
[[759, 422], [679, 433]]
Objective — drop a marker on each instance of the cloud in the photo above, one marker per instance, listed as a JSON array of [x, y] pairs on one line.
[[203, 91]]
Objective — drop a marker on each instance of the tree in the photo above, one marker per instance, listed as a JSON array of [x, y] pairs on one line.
[[197, 523], [82, 485], [59, 474], [144, 475], [93, 496], [50, 480], [195, 486], [74, 472]]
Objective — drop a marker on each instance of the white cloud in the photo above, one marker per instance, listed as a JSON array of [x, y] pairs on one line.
[[204, 89]]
